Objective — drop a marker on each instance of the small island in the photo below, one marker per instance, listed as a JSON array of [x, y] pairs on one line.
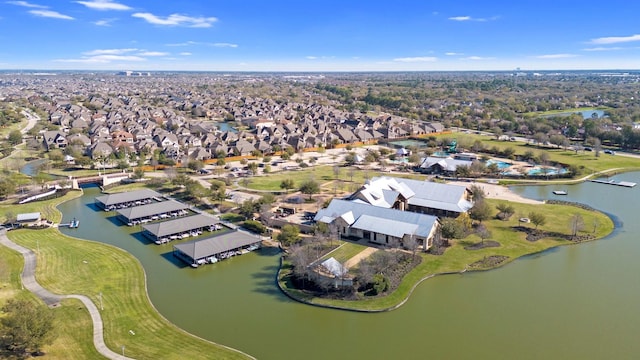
[[493, 227]]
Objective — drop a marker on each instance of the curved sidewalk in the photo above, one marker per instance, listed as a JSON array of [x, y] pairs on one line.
[[53, 300]]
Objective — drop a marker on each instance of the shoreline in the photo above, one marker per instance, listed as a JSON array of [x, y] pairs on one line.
[[617, 225]]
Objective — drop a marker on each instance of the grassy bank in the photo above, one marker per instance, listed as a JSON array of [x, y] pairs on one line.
[[513, 244], [73, 266]]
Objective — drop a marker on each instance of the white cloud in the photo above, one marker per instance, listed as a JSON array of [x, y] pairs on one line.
[[601, 48], [27, 4], [185, 53], [50, 14], [177, 20], [453, 54], [460, 18], [153, 53], [416, 59], [225, 45], [104, 22], [104, 5], [102, 59], [109, 51], [194, 43], [556, 56], [470, 18], [186, 43], [311, 57], [477, 58], [615, 39]]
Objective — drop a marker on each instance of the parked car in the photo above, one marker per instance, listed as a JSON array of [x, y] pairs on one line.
[[610, 152], [588, 148]]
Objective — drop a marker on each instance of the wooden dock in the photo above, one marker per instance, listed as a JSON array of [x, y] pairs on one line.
[[614, 182]]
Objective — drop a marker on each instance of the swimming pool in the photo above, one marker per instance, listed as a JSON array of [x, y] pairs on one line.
[[501, 164], [549, 171]]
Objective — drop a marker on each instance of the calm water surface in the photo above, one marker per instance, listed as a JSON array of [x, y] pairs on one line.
[[574, 302]]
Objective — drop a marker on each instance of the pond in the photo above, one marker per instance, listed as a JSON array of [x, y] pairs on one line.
[[566, 303]]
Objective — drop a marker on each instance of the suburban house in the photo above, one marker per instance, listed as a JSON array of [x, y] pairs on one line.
[[54, 140], [442, 166], [415, 195], [379, 225]]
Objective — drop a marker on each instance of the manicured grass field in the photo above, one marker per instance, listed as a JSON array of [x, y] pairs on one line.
[[321, 174], [456, 258], [72, 266], [345, 252], [72, 322]]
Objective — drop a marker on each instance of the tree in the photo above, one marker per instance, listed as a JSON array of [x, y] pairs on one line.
[[477, 193], [336, 172], [26, 326], [289, 234], [15, 137], [480, 211], [537, 219], [451, 229], [195, 165], [505, 211], [287, 184], [483, 232], [138, 173], [577, 224], [310, 187], [7, 187]]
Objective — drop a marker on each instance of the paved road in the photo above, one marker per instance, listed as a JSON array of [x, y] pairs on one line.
[[53, 300], [32, 119]]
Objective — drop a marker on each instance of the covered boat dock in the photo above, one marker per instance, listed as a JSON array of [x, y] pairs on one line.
[[110, 202], [165, 231], [216, 248], [152, 212]]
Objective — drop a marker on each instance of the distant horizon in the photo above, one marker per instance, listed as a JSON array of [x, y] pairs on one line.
[[317, 71], [318, 36]]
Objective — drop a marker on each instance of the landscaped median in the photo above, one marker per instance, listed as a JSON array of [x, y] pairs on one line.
[[457, 259], [72, 266]]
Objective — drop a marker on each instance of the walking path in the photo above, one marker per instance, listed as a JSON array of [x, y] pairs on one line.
[[53, 300]]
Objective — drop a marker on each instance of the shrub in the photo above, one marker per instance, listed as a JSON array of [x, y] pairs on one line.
[[254, 226]]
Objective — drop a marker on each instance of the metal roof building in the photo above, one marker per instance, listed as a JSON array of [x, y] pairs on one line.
[[196, 252], [166, 229], [28, 217], [150, 210], [126, 199], [381, 220], [415, 195]]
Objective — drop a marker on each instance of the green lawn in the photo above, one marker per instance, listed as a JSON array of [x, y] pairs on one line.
[[345, 252], [322, 174], [456, 258], [72, 266], [72, 322]]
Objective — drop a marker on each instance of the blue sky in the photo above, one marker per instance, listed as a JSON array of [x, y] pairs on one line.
[[319, 35]]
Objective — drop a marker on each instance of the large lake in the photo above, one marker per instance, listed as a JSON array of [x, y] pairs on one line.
[[572, 302]]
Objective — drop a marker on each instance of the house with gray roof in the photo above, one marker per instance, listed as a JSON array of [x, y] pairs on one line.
[[439, 165], [415, 195], [379, 225], [54, 140]]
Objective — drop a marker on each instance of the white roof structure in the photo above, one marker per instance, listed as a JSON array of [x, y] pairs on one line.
[[447, 164], [334, 267], [384, 191], [27, 217]]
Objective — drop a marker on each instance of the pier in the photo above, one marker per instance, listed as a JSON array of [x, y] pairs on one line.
[[614, 182]]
